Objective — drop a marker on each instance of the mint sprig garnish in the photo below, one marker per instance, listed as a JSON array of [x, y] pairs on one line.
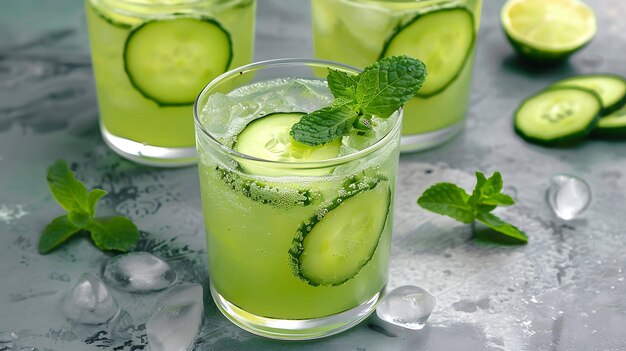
[[380, 90], [109, 233], [449, 200]]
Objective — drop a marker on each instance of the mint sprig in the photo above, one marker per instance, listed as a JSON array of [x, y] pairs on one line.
[[110, 233], [380, 90], [449, 200]]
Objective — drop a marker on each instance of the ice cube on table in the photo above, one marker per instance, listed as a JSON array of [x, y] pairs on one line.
[[122, 325], [139, 272], [407, 306], [7, 340], [568, 196], [89, 301], [176, 318]]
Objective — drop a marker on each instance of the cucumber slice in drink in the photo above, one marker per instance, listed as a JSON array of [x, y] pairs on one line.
[[268, 138], [265, 193], [612, 126], [611, 88], [335, 244], [443, 39], [557, 116], [170, 60], [548, 30]]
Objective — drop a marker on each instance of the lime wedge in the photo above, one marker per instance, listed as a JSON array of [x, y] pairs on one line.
[[548, 30]]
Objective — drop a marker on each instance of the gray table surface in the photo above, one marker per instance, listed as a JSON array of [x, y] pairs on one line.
[[565, 290]]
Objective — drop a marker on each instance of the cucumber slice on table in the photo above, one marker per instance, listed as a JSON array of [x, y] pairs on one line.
[[612, 126], [611, 88], [443, 39], [170, 60], [268, 138], [558, 115], [332, 246]]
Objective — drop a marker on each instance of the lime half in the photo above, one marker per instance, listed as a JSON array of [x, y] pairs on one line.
[[548, 30]]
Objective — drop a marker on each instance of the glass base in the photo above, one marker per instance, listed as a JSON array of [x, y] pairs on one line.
[[424, 141], [299, 329], [147, 154]]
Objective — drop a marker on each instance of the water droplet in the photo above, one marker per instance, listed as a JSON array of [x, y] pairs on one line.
[[407, 306], [569, 196]]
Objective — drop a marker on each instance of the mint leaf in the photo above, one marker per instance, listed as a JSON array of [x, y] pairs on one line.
[[59, 230], [94, 196], [388, 84], [379, 90], [342, 85], [501, 226], [488, 192], [449, 200], [79, 218], [322, 126], [499, 200], [114, 233], [69, 192]]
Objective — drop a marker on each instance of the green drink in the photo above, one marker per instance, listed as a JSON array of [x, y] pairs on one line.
[[441, 33], [298, 236], [151, 58]]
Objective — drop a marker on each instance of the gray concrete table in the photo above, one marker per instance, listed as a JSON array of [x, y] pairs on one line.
[[565, 290]]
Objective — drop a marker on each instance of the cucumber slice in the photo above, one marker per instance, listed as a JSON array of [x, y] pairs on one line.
[[169, 61], [612, 126], [265, 193], [611, 88], [335, 244], [443, 39], [559, 115], [268, 138]]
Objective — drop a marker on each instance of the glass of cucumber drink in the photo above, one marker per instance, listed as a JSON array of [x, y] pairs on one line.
[[441, 33], [151, 59], [298, 236]]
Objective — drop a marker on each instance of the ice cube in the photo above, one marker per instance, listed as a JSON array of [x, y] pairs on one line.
[[139, 272], [304, 96], [176, 319], [407, 306], [568, 196], [121, 326], [7, 340], [89, 301]]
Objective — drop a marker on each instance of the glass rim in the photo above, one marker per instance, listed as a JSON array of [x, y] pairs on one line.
[[273, 63], [142, 4], [400, 1]]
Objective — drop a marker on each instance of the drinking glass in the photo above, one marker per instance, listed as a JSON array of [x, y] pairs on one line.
[[441, 33], [297, 250], [151, 59]]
